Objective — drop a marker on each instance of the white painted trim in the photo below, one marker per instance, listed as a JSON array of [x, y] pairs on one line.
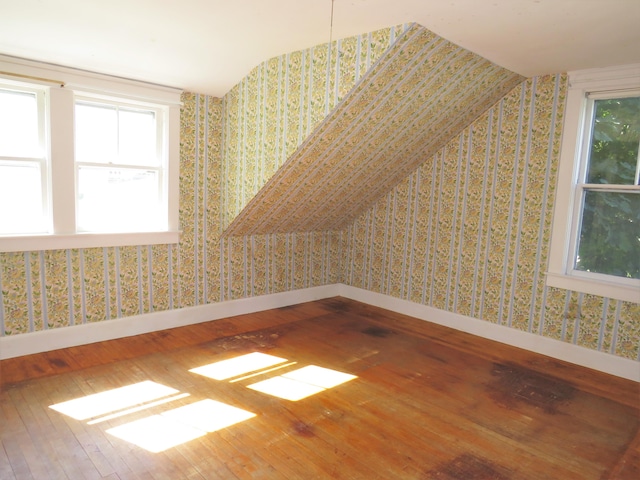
[[566, 215], [604, 362], [20, 69], [602, 288], [64, 84], [47, 340], [34, 243]]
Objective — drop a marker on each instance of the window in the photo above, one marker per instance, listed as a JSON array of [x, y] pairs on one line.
[[119, 168], [596, 234], [86, 160], [23, 164]]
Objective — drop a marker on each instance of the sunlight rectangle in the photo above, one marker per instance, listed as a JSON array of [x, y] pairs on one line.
[[110, 401], [286, 388], [208, 415], [156, 433], [180, 425], [238, 365], [128, 411], [319, 376]]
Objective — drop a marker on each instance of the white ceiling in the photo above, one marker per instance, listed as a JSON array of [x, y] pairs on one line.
[[207, 46]]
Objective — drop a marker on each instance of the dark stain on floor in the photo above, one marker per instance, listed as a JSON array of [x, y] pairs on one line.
[[58, 362], [513, 384], [257, 340], [302, 429], [468, 467], [377, 332]]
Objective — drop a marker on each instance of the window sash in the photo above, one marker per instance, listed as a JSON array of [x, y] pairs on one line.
[[41, 222], [152, 220], [581, 187], [119, 107], [585, 86], [58, 127]]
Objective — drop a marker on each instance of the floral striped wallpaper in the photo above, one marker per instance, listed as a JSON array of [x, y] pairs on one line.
[[468, 232], [229, 148], [280, 103], [420, 93]]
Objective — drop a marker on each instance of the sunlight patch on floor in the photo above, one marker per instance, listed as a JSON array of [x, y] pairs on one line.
[[156, 433], [180, 425], [241, 365], [109, 401], [302, 383]]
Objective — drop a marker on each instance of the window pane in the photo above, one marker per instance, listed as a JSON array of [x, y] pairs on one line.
[[118, 200], [138, 137], [21, 208], [615, 138], [19, 124], [609, 240], [96, 132]]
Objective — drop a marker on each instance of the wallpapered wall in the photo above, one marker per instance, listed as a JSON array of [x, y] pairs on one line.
[[229, 149], [420, 93], [279, 104], [468, 232]]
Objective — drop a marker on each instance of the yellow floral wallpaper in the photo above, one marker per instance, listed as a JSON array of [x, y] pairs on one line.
[[279, 104], [467, 230], [420, 93]]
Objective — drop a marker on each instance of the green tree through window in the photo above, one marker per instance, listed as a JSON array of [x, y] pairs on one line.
[[609, 240]]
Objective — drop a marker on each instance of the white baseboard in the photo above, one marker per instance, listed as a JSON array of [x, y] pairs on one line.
[[46, 340], [604, 362], [53, 339]]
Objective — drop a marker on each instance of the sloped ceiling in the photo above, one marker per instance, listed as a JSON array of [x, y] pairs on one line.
[[208, 46], [424, 91]]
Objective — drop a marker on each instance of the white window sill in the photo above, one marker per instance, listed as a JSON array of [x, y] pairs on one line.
[[613, 290], [25, 243]]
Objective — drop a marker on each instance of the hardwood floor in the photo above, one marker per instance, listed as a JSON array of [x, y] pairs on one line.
[[427, 402]]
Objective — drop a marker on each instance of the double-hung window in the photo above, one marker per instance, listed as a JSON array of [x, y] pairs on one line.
[[120, 170], [86, 160], [23, 160], [596, 235]]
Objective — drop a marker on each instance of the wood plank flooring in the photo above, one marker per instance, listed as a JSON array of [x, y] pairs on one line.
[[427, 403]]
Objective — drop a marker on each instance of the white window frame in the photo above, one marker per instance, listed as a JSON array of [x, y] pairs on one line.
[[40, 94], [62, 85], [568, 207], [118, 103]]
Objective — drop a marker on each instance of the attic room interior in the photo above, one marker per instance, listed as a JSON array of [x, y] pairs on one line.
[[320, 239]]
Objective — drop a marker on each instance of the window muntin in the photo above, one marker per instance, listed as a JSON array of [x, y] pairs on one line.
[[23, 163], [120, 168], [607, 237]]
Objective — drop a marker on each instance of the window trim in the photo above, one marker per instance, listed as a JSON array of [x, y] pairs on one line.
[[161, 168], [60, 102], [560, 272]]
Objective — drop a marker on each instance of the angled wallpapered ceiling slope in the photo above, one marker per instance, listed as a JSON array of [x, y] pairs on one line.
[[421, 93]]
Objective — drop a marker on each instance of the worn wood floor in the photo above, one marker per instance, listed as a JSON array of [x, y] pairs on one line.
[[427, 402]]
